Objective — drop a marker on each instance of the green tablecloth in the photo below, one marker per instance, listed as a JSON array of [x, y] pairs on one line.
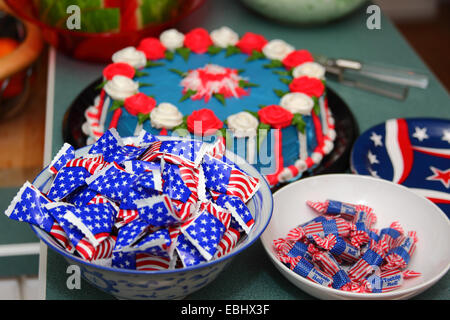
[[252, 275]]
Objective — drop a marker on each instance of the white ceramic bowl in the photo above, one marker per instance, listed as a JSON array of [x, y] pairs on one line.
[[391, 202], [167, 284]]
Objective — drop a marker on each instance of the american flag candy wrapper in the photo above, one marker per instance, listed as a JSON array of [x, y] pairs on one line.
[[67, 180], [204, 231], [360, 234], [180, 152], [82, 196], [229, 241], [138, 166], [90, 165], [101, 199], [316, 219], [150, 262], [399, 256], [113, 149], [95, 221], [174, 185], [151, 245], [217, 149], [80, 242], [66, 153], [155, 242], [338, 247], [366, 217], [386, 281], [334, 208], [112, 182], [107, 144], [409, 274], [130, 234], [217, 211], [296, 234], [389, 237], [28, 205], [143, 140], [331, 267], [188, 253], [294, 249], [307, 270], [157, 211], [235, 225], [58, 233], [228, 179], [125, 153], [369, 262], [123, 260], [184, 210], [150, 180], [104, 250], [124, 217], [238, 209], [134, 193], [337, 226]]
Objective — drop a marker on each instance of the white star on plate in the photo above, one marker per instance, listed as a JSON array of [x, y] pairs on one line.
[[446, 136], [420, 134], [376, 138], [372, 158]]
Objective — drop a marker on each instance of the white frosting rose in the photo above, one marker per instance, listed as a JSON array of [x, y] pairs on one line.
[[277, 49], [171, 39], [297, 102], [121, 87], [224, 37], [310, 69], [166, 115], [132, 56], [243, 124]]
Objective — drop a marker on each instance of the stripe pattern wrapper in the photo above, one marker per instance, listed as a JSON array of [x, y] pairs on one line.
[[142, 204], [347, 249]]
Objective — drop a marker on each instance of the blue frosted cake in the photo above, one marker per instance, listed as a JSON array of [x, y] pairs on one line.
[[265, 100]]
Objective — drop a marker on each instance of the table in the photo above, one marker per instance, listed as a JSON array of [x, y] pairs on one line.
[[252, 275]]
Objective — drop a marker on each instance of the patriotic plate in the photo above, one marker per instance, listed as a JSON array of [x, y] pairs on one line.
[[336, 161], [414, 152]]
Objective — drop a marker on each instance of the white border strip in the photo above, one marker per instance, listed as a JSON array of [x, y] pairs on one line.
[[19, 249], [49, 115]]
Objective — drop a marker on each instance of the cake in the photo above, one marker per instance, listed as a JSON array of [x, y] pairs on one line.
[[264, 99]]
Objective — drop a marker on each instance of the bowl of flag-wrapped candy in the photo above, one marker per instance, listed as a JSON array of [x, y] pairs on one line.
[[344, 236], [146, 217]]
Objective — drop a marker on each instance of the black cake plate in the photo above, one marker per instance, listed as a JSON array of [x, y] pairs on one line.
[[337, 161]]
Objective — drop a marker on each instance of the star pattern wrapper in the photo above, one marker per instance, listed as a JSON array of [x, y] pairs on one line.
[[140, 203]]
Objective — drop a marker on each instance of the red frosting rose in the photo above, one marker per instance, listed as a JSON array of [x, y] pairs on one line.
[[275, 116], [152, 48], [119, 68], [251, 41], [296, 58], [139, 103], [312, 87], [204, 122], [198, 40]]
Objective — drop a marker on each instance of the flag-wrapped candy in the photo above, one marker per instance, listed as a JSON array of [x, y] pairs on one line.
[[140, 203]]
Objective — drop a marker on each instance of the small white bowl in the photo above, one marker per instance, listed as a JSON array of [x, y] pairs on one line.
[[163, 284], [391, 202]]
